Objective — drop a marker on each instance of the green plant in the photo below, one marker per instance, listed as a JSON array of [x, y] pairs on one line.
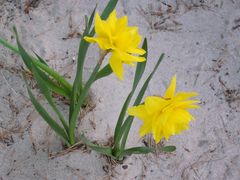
[[162, 116], [49, 81]]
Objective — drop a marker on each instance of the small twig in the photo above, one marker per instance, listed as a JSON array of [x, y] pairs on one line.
[[235, 27], [31, 4], [70, 149]]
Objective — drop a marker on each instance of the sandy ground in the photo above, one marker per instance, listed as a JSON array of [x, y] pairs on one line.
[[201, 40]]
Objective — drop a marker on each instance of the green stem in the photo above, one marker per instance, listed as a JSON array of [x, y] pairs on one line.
[[125, 128], [73, 119], [81, 99]]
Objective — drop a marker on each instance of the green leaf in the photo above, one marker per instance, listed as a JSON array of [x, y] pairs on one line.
[[55, 88], [105, 71], [58, 129], [141, 65], [118, 129], [78, 83], [25, 57], [138, 74], [28, 60], [91, 18], [41, 59], [60, 79], [125, 128], [145, 85], [80, 101], [45, 91], [51, 84], [9, 46], [12, 47], [109, 8], [103, 150], [168, 149], [86, 21], [134, 150]]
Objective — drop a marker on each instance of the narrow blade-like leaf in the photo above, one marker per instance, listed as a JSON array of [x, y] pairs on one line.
[[52, 84], [135, 150], [109, 8], [58, 129], [25, 57], [80, 101], [86, 21], [141, 65], [168, 149], [9, 46], [56, 76], [78, 83], [138, 74], [28, 60], [118, 129], [41, 59], [91, 18], [105, 71], [45, 91], [144, 87], [103, 150], [127, 124]]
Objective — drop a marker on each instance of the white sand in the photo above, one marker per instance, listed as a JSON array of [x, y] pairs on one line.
[[202, 46]]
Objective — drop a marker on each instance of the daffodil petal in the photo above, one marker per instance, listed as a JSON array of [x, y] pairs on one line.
[[154, 104], [101, 27], [137, 51], [171, 89], [129, 63], [180, 116], [145, 128], [112, 19], [187, 104], [158, 123], [102, 42], [117, 66], [122, 22], [138, 111], [185, 95], [127, 57], [90, 39]]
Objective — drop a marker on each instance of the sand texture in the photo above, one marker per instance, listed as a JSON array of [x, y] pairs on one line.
[[201, 40]]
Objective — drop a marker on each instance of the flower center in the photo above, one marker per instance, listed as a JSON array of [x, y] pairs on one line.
[[169, 106]]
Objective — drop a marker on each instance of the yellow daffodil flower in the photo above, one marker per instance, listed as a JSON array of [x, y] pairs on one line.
[[121, 40], [167, 115]]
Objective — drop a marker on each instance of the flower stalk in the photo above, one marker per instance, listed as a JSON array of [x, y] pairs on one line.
[[82, 98]]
